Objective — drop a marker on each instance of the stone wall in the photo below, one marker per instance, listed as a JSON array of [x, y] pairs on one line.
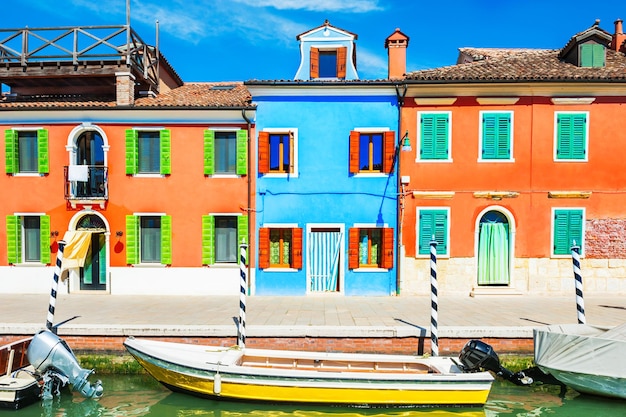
[[605, 239]]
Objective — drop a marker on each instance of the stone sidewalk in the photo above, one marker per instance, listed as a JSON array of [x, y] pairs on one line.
[[311, 316]]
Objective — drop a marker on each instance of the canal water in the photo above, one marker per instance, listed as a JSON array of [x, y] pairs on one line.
[[140, 395]]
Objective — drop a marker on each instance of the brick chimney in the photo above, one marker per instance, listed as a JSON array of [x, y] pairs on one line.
[[617, 43], [396, 45], [124, 89]]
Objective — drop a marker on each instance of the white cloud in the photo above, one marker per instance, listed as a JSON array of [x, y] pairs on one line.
[[371, 65]]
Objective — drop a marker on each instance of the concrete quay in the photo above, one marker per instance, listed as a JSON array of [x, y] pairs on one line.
[[325, 322]]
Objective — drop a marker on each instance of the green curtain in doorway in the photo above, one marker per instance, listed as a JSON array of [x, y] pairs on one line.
[[493, 254]]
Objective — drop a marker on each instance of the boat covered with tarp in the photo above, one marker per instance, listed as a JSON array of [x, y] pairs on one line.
[[587, 358]]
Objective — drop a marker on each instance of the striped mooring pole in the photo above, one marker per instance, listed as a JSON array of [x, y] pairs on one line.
[[434, 341], [55, 286], [243, 287], [580, 302]]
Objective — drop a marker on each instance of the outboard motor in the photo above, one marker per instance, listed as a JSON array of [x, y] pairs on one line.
[[49, 354], [477, 355]]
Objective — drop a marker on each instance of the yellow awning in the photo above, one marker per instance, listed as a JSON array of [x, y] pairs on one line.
[[76, 248]]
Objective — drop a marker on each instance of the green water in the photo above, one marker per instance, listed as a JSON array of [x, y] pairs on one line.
[[141, 396]]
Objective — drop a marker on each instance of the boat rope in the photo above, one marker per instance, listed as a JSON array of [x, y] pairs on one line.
[[434, 341], [55, 286], [241, 340], [580, 302]]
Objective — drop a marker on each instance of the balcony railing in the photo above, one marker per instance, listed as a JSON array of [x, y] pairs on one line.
[[86, 182]]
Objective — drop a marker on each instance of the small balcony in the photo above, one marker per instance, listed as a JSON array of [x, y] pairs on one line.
[[86, 185]]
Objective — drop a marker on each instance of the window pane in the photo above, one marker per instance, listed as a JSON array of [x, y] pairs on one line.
[[150, 239], [149, 144], [279, 152], [328, 64], [280, 247], [369, 246], [225, 152], [225, 239], [27, 148], [371, 152], [32, 239]]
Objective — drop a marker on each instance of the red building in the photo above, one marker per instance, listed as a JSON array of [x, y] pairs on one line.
[[518, 155], [144, 176]]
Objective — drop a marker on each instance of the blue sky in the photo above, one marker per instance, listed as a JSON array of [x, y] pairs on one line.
[[238, 40]]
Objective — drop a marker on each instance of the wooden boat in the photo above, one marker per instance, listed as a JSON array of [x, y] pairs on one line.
[[586, 358], [20, 385], [310, 377]]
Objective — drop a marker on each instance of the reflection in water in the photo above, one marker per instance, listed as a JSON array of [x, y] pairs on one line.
[[142, 396]]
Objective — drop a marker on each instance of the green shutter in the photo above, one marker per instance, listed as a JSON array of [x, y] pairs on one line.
[[44, 239], [131, 152], [42, 151], [166, 240], [242, 235], [208, 240], [571, 136], [242, 152], [14, 239], [166, 151], [592, 55], [11, 158], [209, 152], [132, 240], [568, 228], [496, 136], [433, 222], [434, 134]]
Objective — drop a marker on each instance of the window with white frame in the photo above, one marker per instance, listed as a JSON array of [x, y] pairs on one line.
[[434, 130], [148, 239], [26, 151], [28, 238]]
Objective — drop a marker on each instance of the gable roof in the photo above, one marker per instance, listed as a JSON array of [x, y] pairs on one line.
[[526, 64], [327, 25]]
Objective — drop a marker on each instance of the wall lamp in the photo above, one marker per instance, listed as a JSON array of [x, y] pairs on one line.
[[405, 142], [54, 233], [119, 233]]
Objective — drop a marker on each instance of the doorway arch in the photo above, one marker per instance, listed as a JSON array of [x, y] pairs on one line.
[[495, 237], [93, 275]]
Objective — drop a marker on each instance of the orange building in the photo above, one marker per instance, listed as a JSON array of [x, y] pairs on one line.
[[145, 177], [518, 156]]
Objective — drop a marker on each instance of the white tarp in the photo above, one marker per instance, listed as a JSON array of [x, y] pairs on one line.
[[582, 349]]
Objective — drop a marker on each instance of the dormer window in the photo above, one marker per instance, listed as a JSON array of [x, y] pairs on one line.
[[328, 62], [592, 55]]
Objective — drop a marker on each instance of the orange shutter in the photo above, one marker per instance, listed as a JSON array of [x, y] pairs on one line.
[[296, 235], [355, 138], [314, 55], [292, 143], [387, 261], [341, 62], [264, 247], [389, 151], [353, 248], [264, 152]]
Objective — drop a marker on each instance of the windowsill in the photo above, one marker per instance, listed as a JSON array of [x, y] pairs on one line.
[[28, 174], [568, 256], [29, 265], [370, 270], [279, 175], [439, 256], [571, 160], [148, 175], [370, 175], [149, 265], [224, 265], [223, 176], [431, 161], [280, 270], [480, 160]]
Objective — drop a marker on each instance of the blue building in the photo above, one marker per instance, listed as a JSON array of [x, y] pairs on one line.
[[327, 184]]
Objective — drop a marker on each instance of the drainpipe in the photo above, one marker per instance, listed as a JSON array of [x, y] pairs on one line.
[[243, 114], [399, 197]]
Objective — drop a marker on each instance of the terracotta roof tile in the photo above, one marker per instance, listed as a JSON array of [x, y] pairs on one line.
[[510, 65], [190, 95]]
